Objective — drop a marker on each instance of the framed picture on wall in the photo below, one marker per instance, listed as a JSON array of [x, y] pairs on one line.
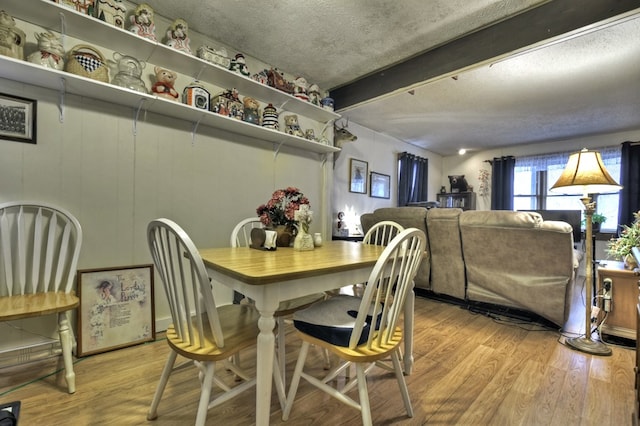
[[358, 172], [116, 308], [17, 118], [380, 185]]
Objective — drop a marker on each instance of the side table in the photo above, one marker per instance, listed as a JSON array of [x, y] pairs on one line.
[[621, 320]]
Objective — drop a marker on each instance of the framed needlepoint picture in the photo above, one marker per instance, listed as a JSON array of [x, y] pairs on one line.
[[358, 173], [116, 308], [18, 118], [380, 185]]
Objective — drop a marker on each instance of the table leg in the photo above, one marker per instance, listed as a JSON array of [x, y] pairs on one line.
[[408, 332], [264, 360]]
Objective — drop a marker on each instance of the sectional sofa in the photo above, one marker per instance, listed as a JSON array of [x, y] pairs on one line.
[[514, 260]]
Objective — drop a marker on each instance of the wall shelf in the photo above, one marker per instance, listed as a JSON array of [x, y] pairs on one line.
[[50, 16]]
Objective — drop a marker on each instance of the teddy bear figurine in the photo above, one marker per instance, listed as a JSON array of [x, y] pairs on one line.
[[163, 87], [291, 125], [251, 110]]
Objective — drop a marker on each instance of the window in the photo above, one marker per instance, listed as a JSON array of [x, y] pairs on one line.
[[535, 175]]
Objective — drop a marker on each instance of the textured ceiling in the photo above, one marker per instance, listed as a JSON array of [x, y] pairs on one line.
[[332, 42], [589, 84]]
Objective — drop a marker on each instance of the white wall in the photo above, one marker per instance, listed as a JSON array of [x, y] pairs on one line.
[[115, 182], [381, 154]]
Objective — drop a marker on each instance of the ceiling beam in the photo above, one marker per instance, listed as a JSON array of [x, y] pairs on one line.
[[544, 22]]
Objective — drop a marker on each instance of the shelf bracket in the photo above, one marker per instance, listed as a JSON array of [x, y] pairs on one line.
[[202, 68], [326, 126], [194, 129], [136, 116], [324, 160], [63, 28], [61, 99], [276, 150], [282, 105]]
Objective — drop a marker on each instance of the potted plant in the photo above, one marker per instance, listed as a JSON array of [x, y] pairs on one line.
[[279, 213], [620, 248], [597, 220]]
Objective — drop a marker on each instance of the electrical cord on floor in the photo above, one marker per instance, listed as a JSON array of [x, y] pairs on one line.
[[507, 320]]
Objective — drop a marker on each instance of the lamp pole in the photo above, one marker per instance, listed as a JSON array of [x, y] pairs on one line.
[[586, 344]]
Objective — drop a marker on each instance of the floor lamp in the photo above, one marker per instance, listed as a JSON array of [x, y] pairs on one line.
[[585, 174]]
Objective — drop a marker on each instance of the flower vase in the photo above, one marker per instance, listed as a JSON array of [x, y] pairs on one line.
[[303, 241], [284, 234], [630, 262]]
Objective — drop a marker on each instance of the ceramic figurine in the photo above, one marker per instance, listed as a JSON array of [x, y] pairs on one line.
[[276, 79], [112, 12], [327, 103], [12, 39], [215, 56], [251, 110], [270, 117], [262, 77], [178, 36], [85, 7], [228, 103], [234, 106], [291, 125], [196, 95], [300, 88], [50, 53], [314, 94], [310, 134], [163, 87], [239, 65], [128, 73], [142, 22]]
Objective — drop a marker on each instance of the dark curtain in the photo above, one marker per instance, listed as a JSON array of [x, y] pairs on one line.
[[502, 171], [413, 172], [630, 181]]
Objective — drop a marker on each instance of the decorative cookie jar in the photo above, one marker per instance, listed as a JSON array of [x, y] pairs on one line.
[[129, 73], [50, 53], [215, 56], [12, 39], [270, 117], [196, 95]]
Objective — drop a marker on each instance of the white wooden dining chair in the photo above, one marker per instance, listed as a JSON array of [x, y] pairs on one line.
[[39, 249], [363, 331], [241, 237], [201, 332], [379, 234], [382, 233]]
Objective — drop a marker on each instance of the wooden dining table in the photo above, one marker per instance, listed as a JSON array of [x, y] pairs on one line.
[[269, 277]]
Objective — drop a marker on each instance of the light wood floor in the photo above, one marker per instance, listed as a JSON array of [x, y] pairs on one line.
[[469, 370]]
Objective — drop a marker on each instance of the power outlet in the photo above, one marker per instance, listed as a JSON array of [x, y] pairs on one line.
[[595, 311]]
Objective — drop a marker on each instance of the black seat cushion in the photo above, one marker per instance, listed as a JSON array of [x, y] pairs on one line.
[[333, 320]]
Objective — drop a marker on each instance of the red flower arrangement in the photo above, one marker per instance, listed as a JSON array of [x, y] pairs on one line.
[[281, 208]]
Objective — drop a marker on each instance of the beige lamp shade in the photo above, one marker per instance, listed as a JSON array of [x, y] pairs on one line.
[[585, 174]]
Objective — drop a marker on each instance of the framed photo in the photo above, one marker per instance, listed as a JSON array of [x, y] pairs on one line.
[[358, 172], [380, 185], [116, 308], [18, 118]]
